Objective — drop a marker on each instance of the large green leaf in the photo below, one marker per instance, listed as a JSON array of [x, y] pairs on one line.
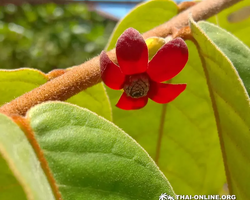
[[231, 110], [182, 134], [93, 159], [236, 20], [14, 83], [232, 47], [145, 17], [18, 161], [189, 152]]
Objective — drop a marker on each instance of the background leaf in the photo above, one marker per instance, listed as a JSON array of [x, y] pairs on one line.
[[231, 110], [91, 158], [17, 82], [50, 36], [169, 133], [235, 19], [144, 17], [95, 99], [182, 135], [237, 52], [19, 160]]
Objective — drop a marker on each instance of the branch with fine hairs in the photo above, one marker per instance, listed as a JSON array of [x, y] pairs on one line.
[[88, 74]]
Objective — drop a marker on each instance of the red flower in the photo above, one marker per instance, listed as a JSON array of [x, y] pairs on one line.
[[139, 78]]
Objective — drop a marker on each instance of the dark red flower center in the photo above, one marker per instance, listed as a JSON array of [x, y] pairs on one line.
[[137, 85]]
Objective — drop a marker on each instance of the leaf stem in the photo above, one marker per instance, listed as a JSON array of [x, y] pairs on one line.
[[161, 130], [88, 73]]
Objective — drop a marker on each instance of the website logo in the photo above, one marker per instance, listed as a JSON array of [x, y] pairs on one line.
[[165, 196]]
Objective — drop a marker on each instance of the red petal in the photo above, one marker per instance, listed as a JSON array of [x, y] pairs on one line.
[[129, 103], [132, 52], [168, 61], [164, 93], [111, 74]]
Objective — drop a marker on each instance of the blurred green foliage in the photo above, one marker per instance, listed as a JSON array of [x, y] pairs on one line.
[[50, 36]]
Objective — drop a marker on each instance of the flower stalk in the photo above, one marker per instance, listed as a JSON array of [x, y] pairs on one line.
[[88, 73]]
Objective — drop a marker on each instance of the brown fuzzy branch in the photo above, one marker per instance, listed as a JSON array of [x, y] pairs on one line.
[[88, 73]]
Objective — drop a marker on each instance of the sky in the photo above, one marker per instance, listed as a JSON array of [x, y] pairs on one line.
[[116, 10]]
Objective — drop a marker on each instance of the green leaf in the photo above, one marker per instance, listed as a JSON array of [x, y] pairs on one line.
[[18, 161], [91, 158], [95, 99], [14, 83], [237, 52], [144, 17], [236, 20], [9, 186], [231, 110], [179, 136], [182, 135]]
